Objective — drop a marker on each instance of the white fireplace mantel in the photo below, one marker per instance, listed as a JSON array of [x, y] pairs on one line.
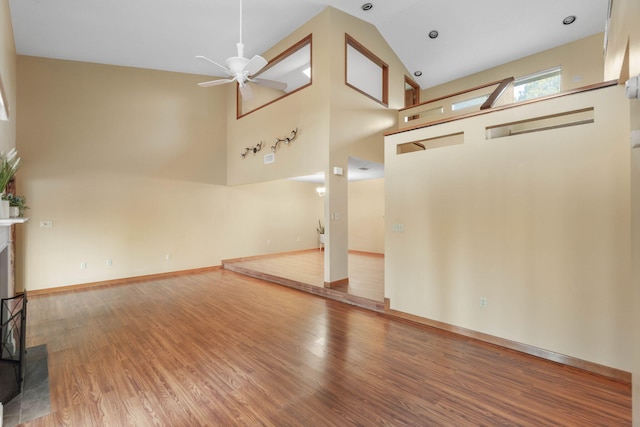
[[10, 221]]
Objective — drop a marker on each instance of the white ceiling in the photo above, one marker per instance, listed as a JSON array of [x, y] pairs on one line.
[[168, 34]]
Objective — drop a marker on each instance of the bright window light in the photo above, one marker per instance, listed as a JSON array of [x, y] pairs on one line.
[[543, 83], [468, 103]]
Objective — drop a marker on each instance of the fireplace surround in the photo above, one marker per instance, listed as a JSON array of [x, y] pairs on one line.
[[12, 317]]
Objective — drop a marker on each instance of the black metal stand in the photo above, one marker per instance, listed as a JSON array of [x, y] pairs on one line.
[[13, 315]]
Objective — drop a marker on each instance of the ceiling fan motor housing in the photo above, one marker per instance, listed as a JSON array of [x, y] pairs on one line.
[[236, 64]]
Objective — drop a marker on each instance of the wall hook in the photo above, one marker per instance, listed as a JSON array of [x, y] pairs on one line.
[[287, 140], [253, 149]]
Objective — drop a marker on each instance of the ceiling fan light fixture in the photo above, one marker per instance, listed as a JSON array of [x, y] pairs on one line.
[[240, 69], [433, 34], [569, 20], [367, 6]]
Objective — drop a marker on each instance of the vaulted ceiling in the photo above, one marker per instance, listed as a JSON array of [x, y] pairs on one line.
[[167, 34]]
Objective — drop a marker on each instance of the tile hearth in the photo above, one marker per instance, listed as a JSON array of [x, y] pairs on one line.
[[34, 401]]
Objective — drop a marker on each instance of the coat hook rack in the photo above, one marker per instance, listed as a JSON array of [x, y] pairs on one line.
[[293, 135], [253, 149]]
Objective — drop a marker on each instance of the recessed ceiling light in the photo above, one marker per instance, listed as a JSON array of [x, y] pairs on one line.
[[433, 34], [367, 6], [417, 73], [569, 20]]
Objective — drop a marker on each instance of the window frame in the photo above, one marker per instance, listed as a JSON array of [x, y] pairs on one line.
[[277, 59], [361, 49], [415, 91], [537, 76]]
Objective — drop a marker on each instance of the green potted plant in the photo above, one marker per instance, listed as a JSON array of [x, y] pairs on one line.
[[9, 164], [320, 229], [17, 204]]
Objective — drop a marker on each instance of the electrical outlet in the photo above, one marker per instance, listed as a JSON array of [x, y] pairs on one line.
[[483, 302], [109, 262], [167, 257], [398, 228], [83, 266], [46, 224]]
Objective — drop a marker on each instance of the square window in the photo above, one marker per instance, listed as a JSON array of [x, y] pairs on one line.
[[365, 72]]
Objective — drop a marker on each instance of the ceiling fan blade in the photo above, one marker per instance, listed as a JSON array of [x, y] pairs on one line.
[[256, 64], [215, 82], [204, 58], [246, 92], [270, 83]]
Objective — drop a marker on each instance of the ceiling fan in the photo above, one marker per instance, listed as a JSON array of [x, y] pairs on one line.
[[242, 69]]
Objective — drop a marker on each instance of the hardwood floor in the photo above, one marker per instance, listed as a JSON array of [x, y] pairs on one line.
[[221, 349]]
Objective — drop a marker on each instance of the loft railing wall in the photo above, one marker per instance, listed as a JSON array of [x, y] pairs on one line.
[[496, 94]]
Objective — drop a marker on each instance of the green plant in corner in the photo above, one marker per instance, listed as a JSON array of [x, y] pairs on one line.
[[9, 164], [320, 227], [17, 202]]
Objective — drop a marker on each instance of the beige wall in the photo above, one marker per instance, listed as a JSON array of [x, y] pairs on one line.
[[7, 77], [581, 61], [623, 60], [271, 217], [126, 163], [357, 126], [635, 216], [537, 223], [306, 110], [129, 164], [366, 216], [623, 34], [329, 115]]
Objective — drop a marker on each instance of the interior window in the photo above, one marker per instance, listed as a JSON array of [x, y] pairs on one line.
[[365, 72], [536, 85], [293, 67]]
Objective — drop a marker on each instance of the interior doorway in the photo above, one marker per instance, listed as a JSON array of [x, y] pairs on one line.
[[411, 92]]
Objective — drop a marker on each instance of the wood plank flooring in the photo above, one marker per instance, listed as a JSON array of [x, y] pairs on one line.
[[221, 349]]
